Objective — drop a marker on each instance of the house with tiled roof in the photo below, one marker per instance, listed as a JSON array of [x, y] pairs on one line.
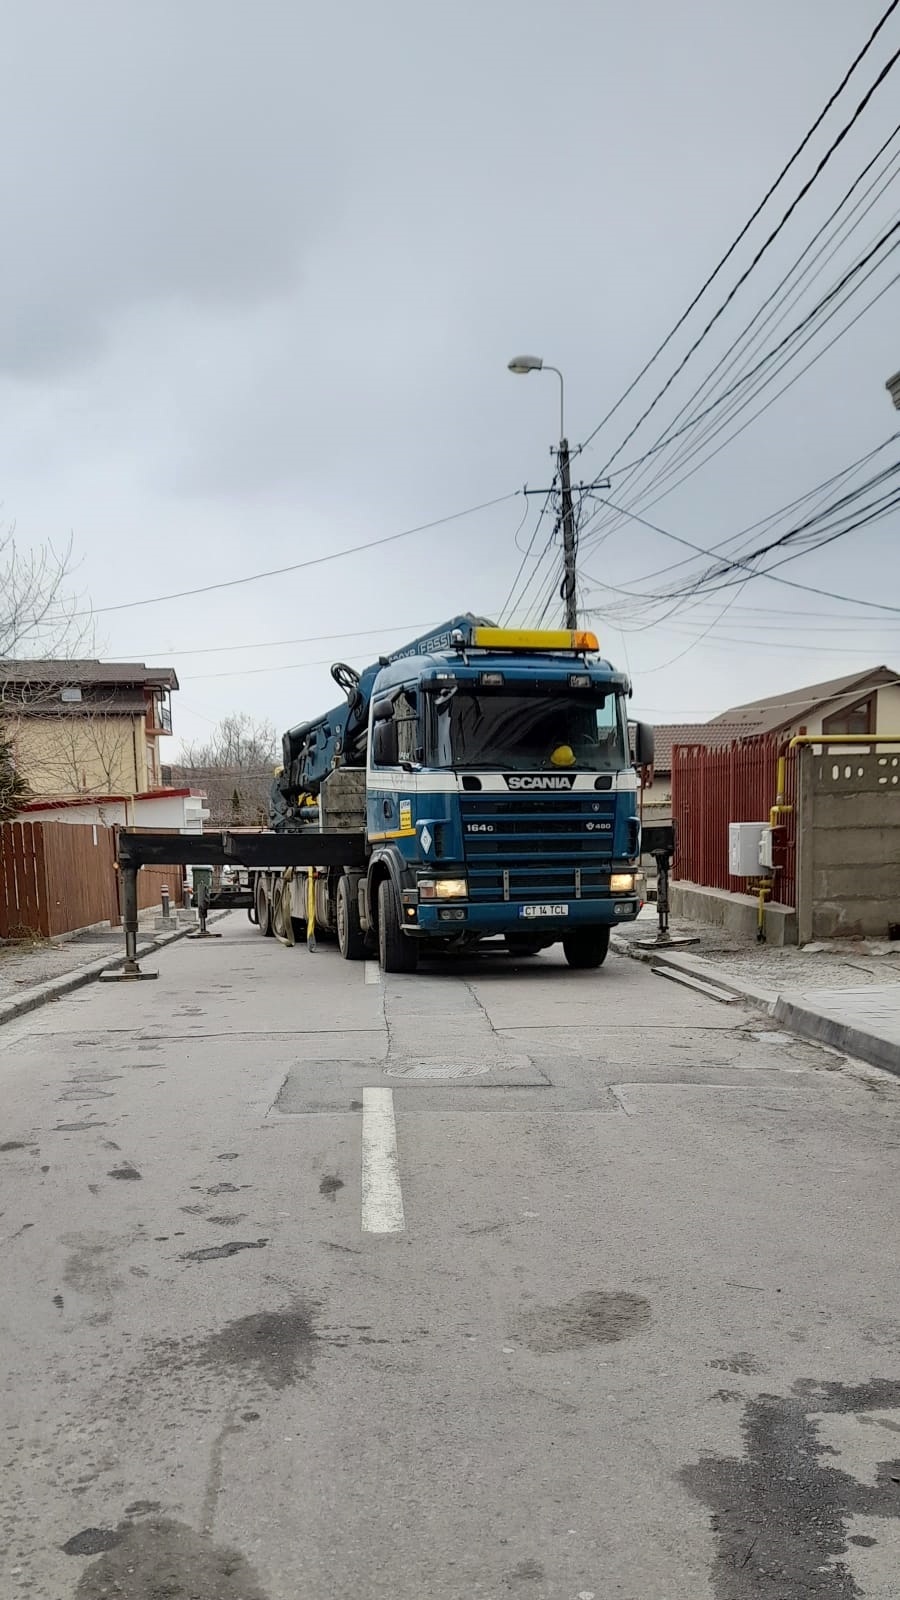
[[857, 702], [86, 727]]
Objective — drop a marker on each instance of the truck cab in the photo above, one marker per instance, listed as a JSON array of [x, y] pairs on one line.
[[483, 787], [501, 797]]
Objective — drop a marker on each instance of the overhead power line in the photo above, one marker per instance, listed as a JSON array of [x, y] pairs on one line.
[[508, 602], [833, 147], [301, 566], [754, 527], [773, 309], [270, 644], [726, 564], [872, 512], [742, 403], [782, 344], [752, 218]]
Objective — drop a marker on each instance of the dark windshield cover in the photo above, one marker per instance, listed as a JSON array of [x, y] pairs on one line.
[[520, 731]]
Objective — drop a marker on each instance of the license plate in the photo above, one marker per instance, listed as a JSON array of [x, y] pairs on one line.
[[544, 911]]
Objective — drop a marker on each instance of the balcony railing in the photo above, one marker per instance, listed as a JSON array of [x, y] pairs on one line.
[[159, 717]]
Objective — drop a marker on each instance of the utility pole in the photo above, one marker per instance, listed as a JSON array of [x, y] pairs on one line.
[[524, 364], [569, 543]]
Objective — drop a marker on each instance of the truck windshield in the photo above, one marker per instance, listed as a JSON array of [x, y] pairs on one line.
[[517, 730]]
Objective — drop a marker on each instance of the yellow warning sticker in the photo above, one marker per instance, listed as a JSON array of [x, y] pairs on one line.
[[406, 813]]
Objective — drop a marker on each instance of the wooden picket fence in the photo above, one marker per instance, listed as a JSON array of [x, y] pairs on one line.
[[56, 877], [150, 884]]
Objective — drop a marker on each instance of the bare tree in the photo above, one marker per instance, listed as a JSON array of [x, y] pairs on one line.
[[39, 616], [91, 753], [233, 767], [14, 791], [239, 742], [40, 619]]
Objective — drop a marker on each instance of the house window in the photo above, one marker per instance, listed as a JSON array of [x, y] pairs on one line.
[[70, 697], [858, 718], [152, 768]]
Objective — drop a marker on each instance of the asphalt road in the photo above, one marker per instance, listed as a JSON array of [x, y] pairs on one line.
[[499, 1281]]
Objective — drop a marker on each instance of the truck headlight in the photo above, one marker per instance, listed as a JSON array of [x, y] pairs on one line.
[[621, 883], [451, 888], [443, 889]]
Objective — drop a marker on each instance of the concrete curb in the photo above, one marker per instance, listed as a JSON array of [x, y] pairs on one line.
[[56, 988], [695, 967], [851, 1041], [802, 1019]]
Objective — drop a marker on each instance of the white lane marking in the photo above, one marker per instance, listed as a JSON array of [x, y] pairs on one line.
[[382, 1198], [373, 972]]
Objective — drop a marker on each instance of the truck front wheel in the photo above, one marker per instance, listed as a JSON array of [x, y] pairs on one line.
[[587, 948], [263, 911], [395, 953], [350, 936]]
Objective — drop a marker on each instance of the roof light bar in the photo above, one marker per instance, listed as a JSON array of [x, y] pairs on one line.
[[533, 639]]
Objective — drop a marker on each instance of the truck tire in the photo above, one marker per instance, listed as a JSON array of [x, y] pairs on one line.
[[395, 952], [350, 937], [587, 948], [263, 912]]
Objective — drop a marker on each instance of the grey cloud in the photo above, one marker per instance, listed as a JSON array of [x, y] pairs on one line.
[[160, 154], [264, 265]]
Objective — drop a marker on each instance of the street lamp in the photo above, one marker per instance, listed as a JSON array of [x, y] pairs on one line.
[[892, 386], [522, 364]]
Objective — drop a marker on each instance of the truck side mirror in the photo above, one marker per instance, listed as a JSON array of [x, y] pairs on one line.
[[385, 748], [643, 744]]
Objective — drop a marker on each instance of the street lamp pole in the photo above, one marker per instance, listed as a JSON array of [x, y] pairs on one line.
[[537, 364]]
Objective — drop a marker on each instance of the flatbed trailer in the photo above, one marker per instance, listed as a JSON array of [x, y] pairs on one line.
[[138, 847]]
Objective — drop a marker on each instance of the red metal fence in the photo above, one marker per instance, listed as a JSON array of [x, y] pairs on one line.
[[735, 783]]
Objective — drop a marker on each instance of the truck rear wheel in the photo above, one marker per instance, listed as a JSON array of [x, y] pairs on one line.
[[263, 912], [350, 937], [395, 952], [587, 948], [518, 945]]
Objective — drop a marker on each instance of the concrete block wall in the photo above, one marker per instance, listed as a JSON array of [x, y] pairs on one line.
[[848, 845]]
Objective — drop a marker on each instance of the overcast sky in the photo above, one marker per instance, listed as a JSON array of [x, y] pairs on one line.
[[263, 269]]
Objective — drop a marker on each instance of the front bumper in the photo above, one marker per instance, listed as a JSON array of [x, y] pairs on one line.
[[505, 916]]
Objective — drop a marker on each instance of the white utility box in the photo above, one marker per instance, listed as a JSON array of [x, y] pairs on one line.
[[767, 849], [744, 839]]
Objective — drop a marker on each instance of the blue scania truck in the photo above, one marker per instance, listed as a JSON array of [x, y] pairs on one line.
[[484, 782]]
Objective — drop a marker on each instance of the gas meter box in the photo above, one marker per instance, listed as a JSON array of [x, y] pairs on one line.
[[744, 839]]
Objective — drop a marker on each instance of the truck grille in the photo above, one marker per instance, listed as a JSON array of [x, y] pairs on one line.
[[551, 849]]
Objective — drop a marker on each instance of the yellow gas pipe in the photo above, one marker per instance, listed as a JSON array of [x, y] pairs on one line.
[[779, 809]]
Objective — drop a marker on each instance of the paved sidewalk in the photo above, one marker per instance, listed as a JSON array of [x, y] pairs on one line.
[[862, 1022], [31, 974], [845, 994]]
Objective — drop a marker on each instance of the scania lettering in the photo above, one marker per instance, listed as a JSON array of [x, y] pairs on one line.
[[538, 781], [484, 777]]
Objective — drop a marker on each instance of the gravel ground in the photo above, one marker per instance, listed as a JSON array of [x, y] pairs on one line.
[[841, 964], [24, 965]]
